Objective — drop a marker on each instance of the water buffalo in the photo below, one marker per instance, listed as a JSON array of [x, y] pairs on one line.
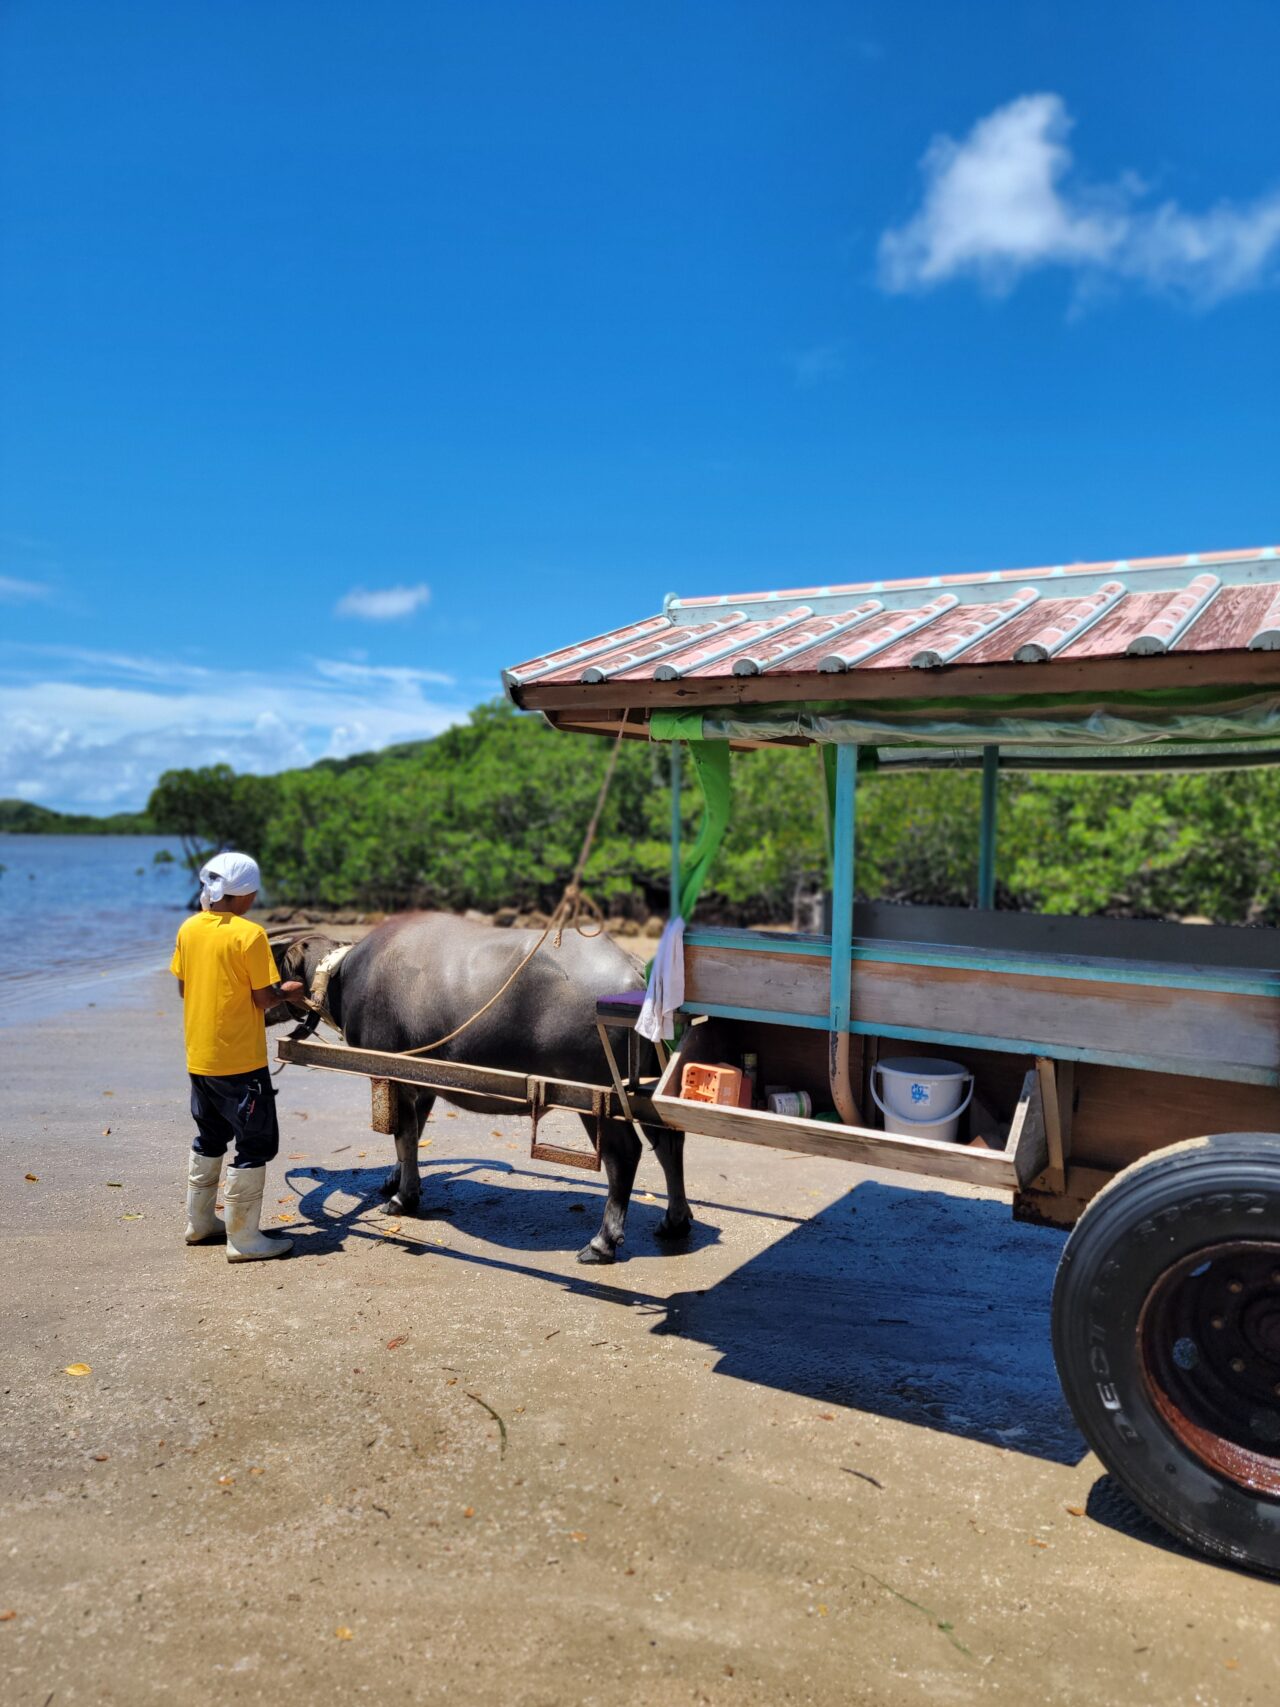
[[416, 977]]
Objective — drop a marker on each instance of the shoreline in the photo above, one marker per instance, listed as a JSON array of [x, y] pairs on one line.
[[29, 996], [26, 998]]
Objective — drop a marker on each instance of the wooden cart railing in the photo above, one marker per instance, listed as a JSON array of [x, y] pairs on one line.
[[1088, 1060]]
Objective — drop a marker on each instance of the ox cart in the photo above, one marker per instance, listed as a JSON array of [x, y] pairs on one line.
[[1127, 1071]]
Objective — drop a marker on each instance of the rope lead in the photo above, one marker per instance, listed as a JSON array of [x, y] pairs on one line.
[[569, 913]]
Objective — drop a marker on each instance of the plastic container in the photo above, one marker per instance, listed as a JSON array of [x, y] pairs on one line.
[[721, 1083], [922, 1096]]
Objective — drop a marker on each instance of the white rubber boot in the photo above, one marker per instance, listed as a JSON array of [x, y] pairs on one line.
[[243, 1200], [203, 1226]]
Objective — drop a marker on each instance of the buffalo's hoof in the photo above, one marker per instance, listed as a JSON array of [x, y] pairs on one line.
[[397, 1205], [671, 1232], [593, 1254]]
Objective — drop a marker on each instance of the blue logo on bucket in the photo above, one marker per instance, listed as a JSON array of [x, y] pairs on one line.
[[919, 1093]]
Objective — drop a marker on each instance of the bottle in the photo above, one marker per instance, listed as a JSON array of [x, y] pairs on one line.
[[750, 1073]]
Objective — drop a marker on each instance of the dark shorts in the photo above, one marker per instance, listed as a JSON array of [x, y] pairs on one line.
[[239, 1110]]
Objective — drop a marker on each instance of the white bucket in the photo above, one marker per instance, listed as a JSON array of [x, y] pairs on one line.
[[922, 1096]]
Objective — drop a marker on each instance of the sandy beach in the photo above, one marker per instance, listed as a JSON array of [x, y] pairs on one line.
[[821, 1457]]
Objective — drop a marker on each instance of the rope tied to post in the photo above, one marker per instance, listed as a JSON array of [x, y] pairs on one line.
[[575, 911]]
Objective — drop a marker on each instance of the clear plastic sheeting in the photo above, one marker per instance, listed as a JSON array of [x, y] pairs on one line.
[[1140, 732], [1150, 759]]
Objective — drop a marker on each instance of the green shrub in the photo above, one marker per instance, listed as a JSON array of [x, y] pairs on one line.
[[492, 813]]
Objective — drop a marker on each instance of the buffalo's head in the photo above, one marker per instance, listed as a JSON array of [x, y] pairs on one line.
[[296, 957]]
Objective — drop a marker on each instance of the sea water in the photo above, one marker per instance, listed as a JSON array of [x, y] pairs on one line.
[[81, 914]]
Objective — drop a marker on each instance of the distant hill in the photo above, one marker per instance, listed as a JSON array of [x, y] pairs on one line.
[[24, 818]]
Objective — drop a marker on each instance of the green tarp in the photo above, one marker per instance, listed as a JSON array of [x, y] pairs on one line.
[[711, 762]]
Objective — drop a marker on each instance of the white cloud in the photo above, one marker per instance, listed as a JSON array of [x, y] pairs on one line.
[[117, 663], [99, 745], [341, 670], [16, 592], [1005, 201], [382, 604]]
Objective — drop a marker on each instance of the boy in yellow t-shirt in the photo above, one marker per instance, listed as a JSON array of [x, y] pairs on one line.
[[227, 979]]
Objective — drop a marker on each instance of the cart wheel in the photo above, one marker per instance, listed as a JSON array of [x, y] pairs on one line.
[[1166, 1333]]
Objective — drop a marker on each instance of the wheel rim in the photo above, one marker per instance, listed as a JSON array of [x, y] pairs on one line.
[[1209, 1343]]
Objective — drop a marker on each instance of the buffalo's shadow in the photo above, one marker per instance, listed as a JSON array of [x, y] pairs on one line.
[[918, 1305], [474, 1195]]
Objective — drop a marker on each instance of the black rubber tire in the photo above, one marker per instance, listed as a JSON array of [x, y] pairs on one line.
[[1154, 1215]]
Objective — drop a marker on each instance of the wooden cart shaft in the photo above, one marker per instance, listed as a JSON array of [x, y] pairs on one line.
[[453, 1079]]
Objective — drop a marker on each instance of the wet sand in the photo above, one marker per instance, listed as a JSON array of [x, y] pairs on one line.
[[819, 1458]]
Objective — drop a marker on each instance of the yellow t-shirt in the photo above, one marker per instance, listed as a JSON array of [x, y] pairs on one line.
[[221, 959]]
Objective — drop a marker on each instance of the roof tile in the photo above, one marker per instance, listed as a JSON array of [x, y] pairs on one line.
[[1206, 602], [1177, 614]]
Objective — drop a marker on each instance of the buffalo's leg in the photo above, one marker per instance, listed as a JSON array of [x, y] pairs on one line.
[[668, 1146], [620, 1153], [411, 1116]]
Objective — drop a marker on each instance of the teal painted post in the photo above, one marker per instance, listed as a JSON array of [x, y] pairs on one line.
[[987, 849], [674, 904], [842, 886]]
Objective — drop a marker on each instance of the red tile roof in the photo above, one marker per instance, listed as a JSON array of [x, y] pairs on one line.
[[1222, 601]]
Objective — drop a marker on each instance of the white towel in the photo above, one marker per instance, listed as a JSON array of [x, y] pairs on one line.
[[228, 874], [666, 985]]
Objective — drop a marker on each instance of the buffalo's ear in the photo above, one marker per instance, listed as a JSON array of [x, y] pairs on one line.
[[288, 958]]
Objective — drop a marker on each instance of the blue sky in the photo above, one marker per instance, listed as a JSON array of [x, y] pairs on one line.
[[351, 352]]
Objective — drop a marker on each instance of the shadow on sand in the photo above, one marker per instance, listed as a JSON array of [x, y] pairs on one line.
[[924, 1307]]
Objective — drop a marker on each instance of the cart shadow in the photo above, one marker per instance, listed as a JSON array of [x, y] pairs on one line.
[[1111, 1507], [919, 1306], [915, 1305]]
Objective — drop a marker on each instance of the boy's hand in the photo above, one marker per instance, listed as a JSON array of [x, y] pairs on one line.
[[270, 994]]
